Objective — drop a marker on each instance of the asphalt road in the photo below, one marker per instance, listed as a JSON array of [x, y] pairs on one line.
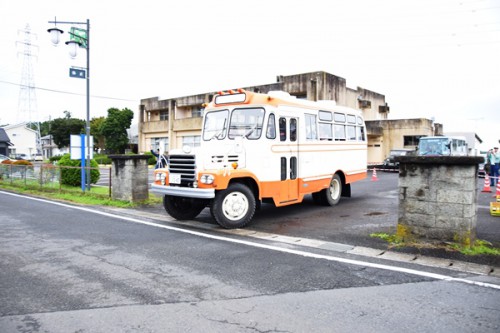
[[65, 268]]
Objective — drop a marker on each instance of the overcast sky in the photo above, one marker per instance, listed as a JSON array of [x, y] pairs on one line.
[[430, 58]]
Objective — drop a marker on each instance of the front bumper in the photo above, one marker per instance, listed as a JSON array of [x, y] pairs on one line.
[[188, 192]]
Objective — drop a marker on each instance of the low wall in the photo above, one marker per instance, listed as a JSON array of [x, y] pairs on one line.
[[130, 177], [438, 198]]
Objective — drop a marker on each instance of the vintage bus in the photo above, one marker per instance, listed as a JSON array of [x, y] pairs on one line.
[[264, 148], [443, 146]]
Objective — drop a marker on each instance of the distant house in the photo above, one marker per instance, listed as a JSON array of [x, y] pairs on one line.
[[23, 139], [4, 142], [49, 148]]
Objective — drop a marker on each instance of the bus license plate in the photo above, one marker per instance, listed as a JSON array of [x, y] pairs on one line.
[[174, 178]]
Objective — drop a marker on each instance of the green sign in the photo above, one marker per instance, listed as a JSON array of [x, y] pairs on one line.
[[79, 35]]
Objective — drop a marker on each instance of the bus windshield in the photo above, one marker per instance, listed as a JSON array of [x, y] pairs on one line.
[[247, 123], [215, 125]]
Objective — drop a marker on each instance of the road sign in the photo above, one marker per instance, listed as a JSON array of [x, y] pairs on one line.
[[78, 73], [79, 35], [75, 146]]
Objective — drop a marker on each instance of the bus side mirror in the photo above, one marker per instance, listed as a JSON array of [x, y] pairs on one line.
[[448, 145]]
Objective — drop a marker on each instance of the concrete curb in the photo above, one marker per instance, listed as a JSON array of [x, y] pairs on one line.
[[451, 264]]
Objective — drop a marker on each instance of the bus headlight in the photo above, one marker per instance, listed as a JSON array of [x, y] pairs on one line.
[[207, 179]]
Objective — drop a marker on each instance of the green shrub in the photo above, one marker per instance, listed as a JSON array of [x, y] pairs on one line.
[[102, 159], [151, 159], [55, 158], [71, 171]]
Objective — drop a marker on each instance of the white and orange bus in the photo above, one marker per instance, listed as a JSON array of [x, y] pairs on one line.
[[264, 148]]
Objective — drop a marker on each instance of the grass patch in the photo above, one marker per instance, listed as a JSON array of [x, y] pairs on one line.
[[392, 239], [96, 196], [480, 247]]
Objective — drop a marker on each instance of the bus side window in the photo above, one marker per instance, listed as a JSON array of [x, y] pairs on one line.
[[293, 167], [293, 129], [271, 127], [283, 168], [311, 127], [282, 125], [339, 132]]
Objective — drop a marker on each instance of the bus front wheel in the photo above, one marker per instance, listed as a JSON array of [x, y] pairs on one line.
[[330, 196], [233, 207], [181, 208]]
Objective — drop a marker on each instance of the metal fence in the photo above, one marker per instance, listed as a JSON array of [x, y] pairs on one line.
[[47, 177]]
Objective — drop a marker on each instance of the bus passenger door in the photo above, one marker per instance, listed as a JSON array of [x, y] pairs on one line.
[[289, 185]]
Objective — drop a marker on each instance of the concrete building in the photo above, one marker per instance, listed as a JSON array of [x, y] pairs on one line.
[[173, 123], [384, 135]]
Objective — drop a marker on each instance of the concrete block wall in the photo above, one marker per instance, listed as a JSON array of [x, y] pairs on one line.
[[438, 198]]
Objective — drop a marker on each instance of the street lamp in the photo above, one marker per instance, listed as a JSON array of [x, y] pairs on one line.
[[78, 40]]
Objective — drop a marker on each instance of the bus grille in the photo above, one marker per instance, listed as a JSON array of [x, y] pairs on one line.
[[184, 165], [223, 158]]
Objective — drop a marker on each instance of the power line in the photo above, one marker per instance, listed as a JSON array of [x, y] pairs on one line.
[[67, 92]]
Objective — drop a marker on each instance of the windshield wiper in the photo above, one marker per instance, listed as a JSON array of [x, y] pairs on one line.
[[250, 131], [219, 132]]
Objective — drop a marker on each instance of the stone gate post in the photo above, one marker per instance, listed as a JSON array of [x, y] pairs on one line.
[[129, 177], [438, 197]]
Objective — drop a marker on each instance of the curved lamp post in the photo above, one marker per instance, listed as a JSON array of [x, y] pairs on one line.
[[74, 44]]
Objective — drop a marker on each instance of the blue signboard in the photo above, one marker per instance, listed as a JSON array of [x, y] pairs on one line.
[[78, 73]]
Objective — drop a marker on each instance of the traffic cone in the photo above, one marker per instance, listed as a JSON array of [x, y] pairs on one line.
[[486, 187], [498, 190], [374, 176]]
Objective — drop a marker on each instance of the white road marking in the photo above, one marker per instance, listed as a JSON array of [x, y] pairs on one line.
[[270, 247]]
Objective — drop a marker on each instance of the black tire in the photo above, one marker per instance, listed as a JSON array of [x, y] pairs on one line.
[[233, 207], [181, 208], [330, 196]]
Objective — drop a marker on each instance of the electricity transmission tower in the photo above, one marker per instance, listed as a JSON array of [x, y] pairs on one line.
[[27, 104]]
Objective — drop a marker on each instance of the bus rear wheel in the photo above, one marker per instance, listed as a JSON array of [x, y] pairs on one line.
[[330, 196], [181, 208], [233, 207]]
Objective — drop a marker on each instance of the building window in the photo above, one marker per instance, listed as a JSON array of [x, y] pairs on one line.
[[197, 112], [412, 140], [193, 141], [159, 143], [163, 115]]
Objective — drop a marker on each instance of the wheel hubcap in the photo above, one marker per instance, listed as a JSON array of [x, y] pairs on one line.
[[334, 189], [235, 206]]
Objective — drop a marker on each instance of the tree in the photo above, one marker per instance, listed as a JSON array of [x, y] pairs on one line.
[[114, 129], [62, 128], [96, 132]]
